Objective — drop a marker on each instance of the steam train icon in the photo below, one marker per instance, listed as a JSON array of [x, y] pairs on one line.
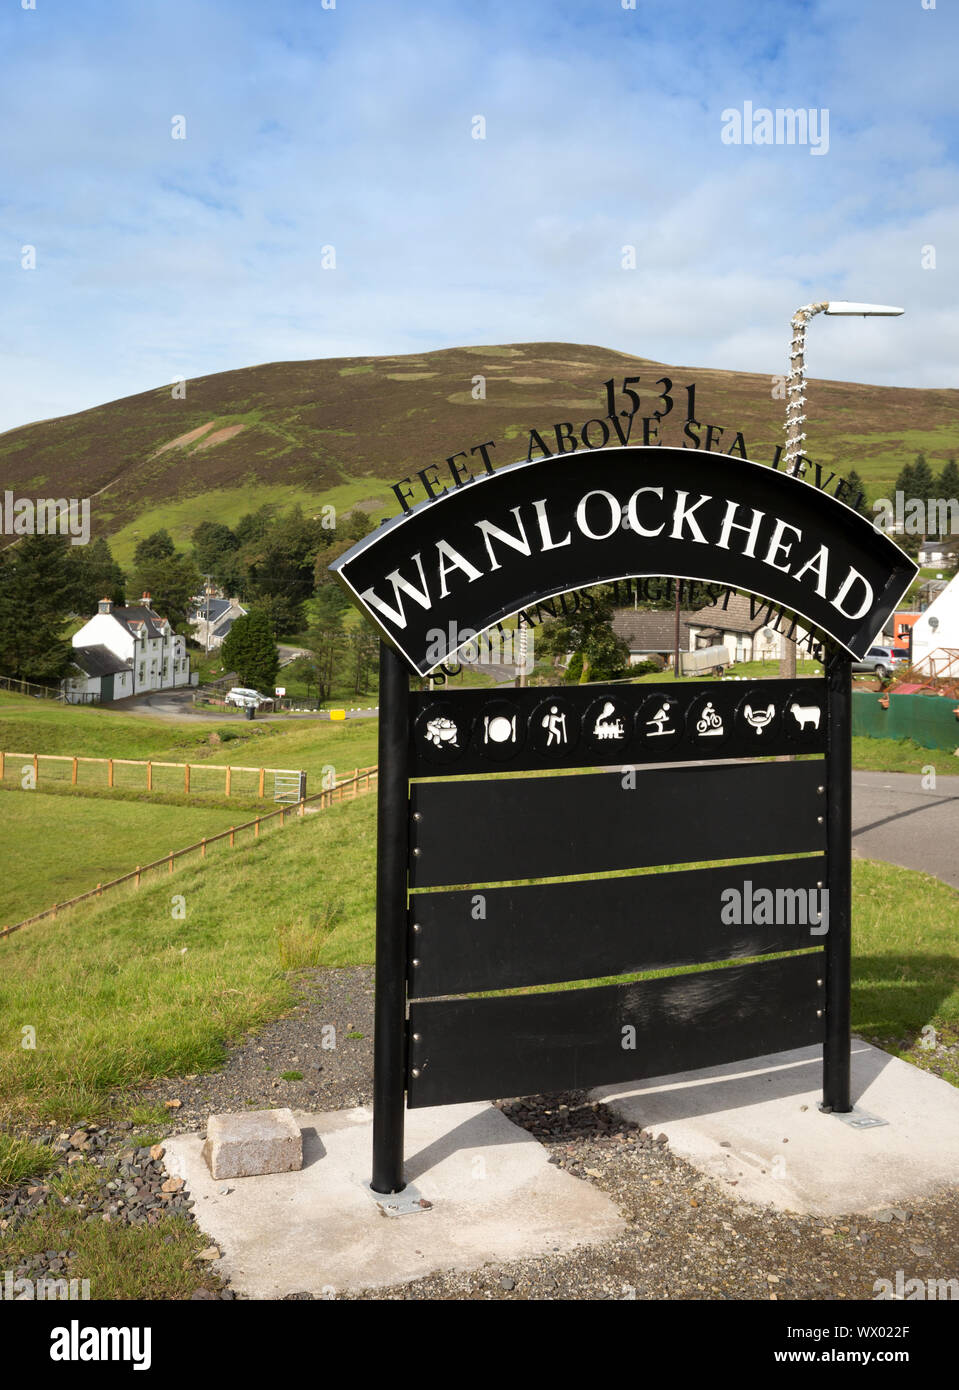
[[606, 727]]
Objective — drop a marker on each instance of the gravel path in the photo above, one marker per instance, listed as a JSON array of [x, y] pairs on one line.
[[336, 1008], [686, 1238]]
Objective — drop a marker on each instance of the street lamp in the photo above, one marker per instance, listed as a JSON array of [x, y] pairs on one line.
[[796, 402]]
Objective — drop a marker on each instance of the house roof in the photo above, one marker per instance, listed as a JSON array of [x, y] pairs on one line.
[[136, 618], [645, 630], [734, 617], [99, 661]]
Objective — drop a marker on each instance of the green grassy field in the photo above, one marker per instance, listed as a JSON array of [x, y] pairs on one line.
[[746, 670], [120, 992], [43, 726], [56, 847]]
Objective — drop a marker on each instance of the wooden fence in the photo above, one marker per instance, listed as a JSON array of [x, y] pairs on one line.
[[111, 765], [39, 692], [357, 785]]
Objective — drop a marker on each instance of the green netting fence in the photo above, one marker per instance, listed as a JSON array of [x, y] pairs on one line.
[[927, 719]]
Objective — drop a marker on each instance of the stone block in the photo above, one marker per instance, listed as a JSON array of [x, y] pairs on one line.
[[259, 1141]]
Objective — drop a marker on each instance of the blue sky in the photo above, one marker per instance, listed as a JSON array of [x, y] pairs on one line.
[[352, 127]]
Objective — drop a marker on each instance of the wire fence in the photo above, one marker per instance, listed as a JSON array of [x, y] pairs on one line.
[[237, 836]]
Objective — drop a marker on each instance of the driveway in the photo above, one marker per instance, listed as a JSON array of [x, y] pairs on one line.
[[895, 818]]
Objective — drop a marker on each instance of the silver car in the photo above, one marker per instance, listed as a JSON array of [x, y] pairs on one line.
[[880, 661]]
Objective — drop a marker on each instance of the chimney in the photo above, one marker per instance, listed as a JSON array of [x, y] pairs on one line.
[[104, 606]]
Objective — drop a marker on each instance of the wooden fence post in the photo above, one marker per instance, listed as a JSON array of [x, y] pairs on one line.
[[203, 848], [282, 815], [149, 777], [256, 829], [232, 835], [356, 790], [109, 772], [36, 768], [186, 777], [262, 780], [171, 861], [229, 772], [73, 780], [138, 876]]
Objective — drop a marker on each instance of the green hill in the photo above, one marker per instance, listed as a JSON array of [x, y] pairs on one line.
[[341, 430]]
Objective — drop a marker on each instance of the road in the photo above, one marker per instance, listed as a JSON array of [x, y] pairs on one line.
[[895, 818]]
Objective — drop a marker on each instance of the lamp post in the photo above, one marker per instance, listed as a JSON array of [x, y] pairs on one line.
[[793, 461]]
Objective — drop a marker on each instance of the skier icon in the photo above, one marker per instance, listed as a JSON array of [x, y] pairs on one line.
[[660, 719], [555, 725], [709, 724]]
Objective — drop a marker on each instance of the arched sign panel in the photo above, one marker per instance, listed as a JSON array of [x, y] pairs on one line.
[[485, 550]]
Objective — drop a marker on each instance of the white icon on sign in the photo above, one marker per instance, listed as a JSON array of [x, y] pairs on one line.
[[499, 729], [758, 719], [709, 724], [440, 731], [606, 727], [660, 719], [805, 714], [555, 724]]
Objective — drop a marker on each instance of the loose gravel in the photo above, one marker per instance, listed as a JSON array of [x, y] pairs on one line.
[[686, 1238]]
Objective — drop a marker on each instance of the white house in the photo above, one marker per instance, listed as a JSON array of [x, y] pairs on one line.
[[126, 650], [935, 633], [213, 617], [940, 552], [741, 626]]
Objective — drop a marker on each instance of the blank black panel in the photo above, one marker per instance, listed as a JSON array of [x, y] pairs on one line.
[[502, 829], [537, 934], [484, 1049]]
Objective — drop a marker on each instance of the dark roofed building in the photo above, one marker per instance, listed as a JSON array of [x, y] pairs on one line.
[[650, 632]]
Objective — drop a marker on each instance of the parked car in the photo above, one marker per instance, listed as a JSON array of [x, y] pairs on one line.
[[880, 661], [247, 699]]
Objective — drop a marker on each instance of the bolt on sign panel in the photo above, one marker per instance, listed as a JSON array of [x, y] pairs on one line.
[[470, 1049]]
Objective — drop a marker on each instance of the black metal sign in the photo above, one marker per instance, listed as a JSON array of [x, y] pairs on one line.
[[451, 568], [566, 836]]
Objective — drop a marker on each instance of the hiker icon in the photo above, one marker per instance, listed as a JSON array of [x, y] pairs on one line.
[[555, 725]]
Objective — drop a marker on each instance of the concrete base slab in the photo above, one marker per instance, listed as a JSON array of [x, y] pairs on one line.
[[755, 1127], [495, 1197]]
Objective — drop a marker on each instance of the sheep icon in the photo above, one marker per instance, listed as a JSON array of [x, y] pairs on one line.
[[805, 714]]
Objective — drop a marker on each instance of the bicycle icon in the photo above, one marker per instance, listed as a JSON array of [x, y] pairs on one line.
[[709, 724]]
